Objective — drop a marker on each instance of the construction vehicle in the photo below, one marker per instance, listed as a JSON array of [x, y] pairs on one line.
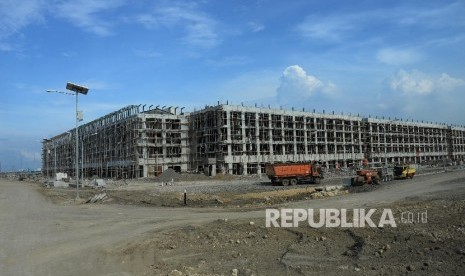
[[385, 173], [404, 171], [365, 176], [292, 173], [372, 173]]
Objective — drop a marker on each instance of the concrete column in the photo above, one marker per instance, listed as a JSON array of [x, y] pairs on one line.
[[145, 171], [213, 170], [294, 133], [144, 139], [305, 137], [228, 133], [326, 136], [244, 141], [315, 136], [283, 142], [257, 137], [270, 134], [163, 135], [360, 141], [335, 139]]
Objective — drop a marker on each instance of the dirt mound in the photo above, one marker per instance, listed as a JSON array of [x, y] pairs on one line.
[[168, 176], [171, 175]]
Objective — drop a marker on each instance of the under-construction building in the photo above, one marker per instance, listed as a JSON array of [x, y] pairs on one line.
[[139, 142], [129, 143]]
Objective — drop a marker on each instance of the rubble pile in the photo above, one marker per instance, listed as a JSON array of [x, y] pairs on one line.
[[171, 176]]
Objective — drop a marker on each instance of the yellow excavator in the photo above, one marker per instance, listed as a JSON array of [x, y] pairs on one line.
[[404, 171]]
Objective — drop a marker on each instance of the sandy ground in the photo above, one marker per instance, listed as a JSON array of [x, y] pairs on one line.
[[56, 235]]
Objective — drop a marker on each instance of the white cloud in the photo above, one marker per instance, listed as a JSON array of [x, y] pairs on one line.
[[297, 86], [332, 29], [418, 83], [6, 47], [295, 77], [256, 27], [88, 14], [200, 29], [448, 83], [14, 16], [335, 26], [414, 82], [397, 57], [444, 15]]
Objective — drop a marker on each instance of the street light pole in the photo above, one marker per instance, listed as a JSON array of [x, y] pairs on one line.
[[82, 158], [77, 147], [83, 90], [55, 159]]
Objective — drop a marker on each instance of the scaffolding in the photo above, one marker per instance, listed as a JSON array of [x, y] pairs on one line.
[[131, 142], [256, 136], [138, 142]]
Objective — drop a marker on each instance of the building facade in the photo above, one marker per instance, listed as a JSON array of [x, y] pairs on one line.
[[134, 142], [129, 143]]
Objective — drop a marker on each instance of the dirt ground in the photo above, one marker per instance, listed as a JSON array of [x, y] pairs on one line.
[[229, 193], [431, 244], [132, 233], [436, 247]]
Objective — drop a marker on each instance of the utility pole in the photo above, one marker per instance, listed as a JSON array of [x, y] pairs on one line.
[[55, 160], [76, 90]]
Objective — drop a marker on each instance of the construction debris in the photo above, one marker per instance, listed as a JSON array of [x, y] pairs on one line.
[[99, 183], [97, 198]]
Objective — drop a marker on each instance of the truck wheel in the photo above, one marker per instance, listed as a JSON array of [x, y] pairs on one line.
[[356, 182], [293, 182], [317, 180], [285, 182]]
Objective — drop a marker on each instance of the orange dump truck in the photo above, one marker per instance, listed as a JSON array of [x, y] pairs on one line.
[[293, 173]]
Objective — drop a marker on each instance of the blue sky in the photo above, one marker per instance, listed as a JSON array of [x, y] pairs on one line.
[[385, 58]]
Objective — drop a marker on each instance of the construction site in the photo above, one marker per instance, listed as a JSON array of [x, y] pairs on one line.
[[160, 191], [143, 141]]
